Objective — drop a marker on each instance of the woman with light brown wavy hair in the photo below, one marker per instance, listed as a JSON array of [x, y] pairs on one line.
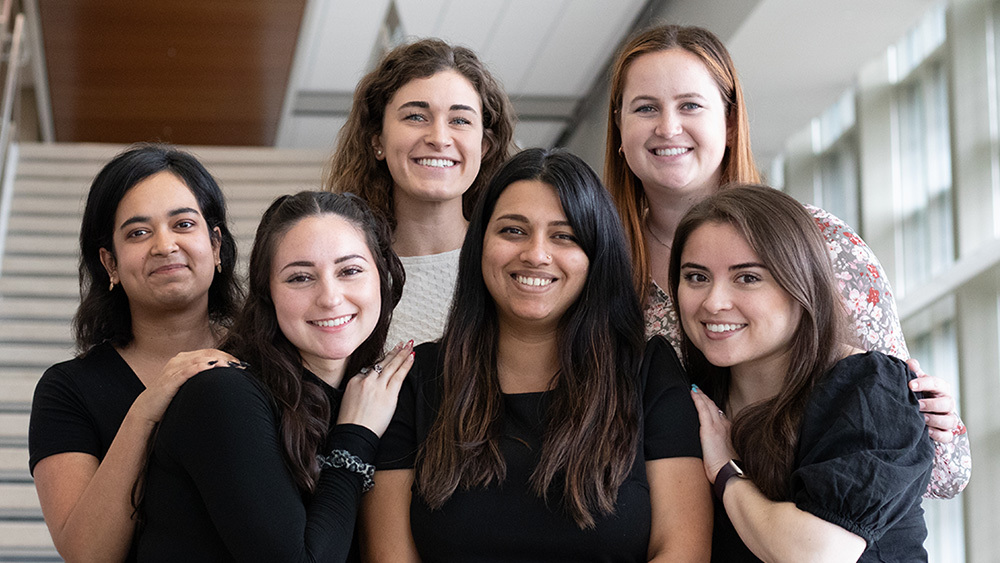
[[428, 127]]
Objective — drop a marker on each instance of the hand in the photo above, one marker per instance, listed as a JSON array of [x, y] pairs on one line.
[[716, 446], [937, 405], [370, 397], [153, 402]]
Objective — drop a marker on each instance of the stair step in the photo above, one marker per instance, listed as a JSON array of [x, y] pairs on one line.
[[32, 307], [14, 424], [24, 530], [22, 264], [310, 173], [63, 287], [19, 495], [14, 460], [38, 356], [31, 554], [27, 331]]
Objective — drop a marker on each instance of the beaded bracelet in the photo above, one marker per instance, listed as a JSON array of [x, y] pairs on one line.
[[350, 462]]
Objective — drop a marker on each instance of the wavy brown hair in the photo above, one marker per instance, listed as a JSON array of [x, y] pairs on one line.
[[257, 339], [354, 168], [737, 161], [785, 238], [593, 418]]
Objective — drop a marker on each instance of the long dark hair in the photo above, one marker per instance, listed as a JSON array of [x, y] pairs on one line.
[[104, 316], [785, 238], [737, 162], [593, 417], [354, 168], [257, 339]]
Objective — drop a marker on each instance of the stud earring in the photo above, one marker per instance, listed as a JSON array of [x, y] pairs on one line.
[[378, 153]]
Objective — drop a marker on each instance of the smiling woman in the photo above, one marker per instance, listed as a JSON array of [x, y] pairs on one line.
[[269, 464]]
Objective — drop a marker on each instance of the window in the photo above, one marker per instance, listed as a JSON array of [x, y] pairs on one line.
[[835, 145]]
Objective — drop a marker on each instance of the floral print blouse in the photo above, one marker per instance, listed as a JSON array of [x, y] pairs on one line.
[[870, 300]]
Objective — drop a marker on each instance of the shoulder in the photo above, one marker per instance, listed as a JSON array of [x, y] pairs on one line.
[[660, 365], [100, 361], [868, 371], [220, 389]]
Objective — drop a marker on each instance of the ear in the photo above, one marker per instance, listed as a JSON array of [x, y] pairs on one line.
[[487, 140], [217, 244], [110, 264], [377, 147]]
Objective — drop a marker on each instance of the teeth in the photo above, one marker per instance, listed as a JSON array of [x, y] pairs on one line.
[[670, 152], [435, 162], [533, 281], [723, 327], [333, 322]]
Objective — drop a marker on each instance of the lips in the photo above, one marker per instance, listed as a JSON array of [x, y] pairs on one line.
[[334, 322], [720, 328], [168, 268], [672, 151], [532, 280]]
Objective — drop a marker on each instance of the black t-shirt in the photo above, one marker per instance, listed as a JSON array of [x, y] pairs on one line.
[[506, 521], [218, 488], [862, 462], [80, 404]]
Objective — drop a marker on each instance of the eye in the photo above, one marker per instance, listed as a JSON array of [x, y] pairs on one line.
[[512, 230], [136, 233], [418, 117], [185, 224], [568, 237], [462, 121], [352, 270], [748, 278], [690, 106], [298, 278], [694, 277], [648, 108]]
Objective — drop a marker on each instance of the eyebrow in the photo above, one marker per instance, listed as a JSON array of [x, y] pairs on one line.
[[742, 266], [147, 218], [425, 105], [523, 219], [684, 96], [309, 264]]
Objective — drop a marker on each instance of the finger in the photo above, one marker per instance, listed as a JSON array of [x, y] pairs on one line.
[[914, 366], [930, 384], [942, 422], [937, 405], [396, 379], [941, 436], [395, 359], [705, 408]]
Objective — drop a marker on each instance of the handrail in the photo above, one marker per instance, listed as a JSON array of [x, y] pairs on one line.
[[7, 126]]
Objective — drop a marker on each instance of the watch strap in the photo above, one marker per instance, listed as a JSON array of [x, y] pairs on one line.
[[728, 471]]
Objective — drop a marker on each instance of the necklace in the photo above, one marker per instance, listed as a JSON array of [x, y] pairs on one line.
[[656, 238]]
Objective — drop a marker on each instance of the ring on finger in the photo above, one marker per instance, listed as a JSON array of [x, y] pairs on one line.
[[722, 414], [377, 368]]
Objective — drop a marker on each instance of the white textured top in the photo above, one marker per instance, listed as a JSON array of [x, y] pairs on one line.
[[423, 309]]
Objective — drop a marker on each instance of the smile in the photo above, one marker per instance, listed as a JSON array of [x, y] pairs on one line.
[[537, 282], [436, 162], [328, 323], [671, 152], [723, 327], [168, 268]]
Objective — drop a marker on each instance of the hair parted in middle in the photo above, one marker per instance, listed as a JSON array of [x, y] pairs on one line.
[[785, 238], [737, 163], [257, 339], [600, 346], [354, 168]]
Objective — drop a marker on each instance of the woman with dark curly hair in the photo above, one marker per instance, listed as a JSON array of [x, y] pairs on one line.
[[158, 290], [427, 129], [269, 463]]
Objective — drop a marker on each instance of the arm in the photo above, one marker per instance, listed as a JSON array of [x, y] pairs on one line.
[[870, 301], [774, 531], [681, 527], [86, 503], [385, 519]]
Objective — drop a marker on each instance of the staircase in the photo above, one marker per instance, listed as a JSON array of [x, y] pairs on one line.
[[39, 290]]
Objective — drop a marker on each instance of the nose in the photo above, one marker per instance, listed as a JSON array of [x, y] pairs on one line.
[[718, 298], [536, 251], [164, 242], [330, 293], [669, 124], [438, 134]]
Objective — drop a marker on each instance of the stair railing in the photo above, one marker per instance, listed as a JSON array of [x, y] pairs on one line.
[[12, 59]]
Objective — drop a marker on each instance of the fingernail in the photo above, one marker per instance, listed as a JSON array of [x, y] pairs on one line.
[[213, 362], [914, 385], [410, 343], [412, 354], [694, 388], [235, 364], [922, 403], [927, 418]]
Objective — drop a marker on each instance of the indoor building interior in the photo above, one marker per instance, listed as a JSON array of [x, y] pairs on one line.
[[886, 114]]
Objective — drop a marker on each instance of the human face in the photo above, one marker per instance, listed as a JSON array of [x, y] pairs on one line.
[[325, 288], [732, 308], [532, 264], [432, 138], [673, 123], [164, 256]]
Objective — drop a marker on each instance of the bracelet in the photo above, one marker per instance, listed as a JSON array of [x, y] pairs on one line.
[[350, 462]]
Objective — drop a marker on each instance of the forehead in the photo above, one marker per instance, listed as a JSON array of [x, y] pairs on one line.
[[321, 237], [445, 88], [673, 71], [154, 195], [717, 244], [533, 199]]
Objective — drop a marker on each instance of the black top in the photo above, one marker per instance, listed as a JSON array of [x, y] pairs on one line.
[[218, 488], [80, 404], [506, 521], [863, 461]]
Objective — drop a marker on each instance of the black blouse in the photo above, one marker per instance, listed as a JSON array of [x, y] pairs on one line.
[[506, 521]]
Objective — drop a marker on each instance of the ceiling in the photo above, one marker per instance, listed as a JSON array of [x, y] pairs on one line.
[[795, 59]]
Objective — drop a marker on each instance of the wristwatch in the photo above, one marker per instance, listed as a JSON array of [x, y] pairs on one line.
[[729, 470]]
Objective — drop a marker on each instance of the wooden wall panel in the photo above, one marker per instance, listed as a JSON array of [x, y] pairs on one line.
[[201, 72]]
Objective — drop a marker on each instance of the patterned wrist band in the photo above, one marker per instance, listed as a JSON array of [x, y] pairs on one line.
[[350, 462]]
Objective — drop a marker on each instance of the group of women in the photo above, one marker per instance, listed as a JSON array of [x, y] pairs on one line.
[[536, 421]]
